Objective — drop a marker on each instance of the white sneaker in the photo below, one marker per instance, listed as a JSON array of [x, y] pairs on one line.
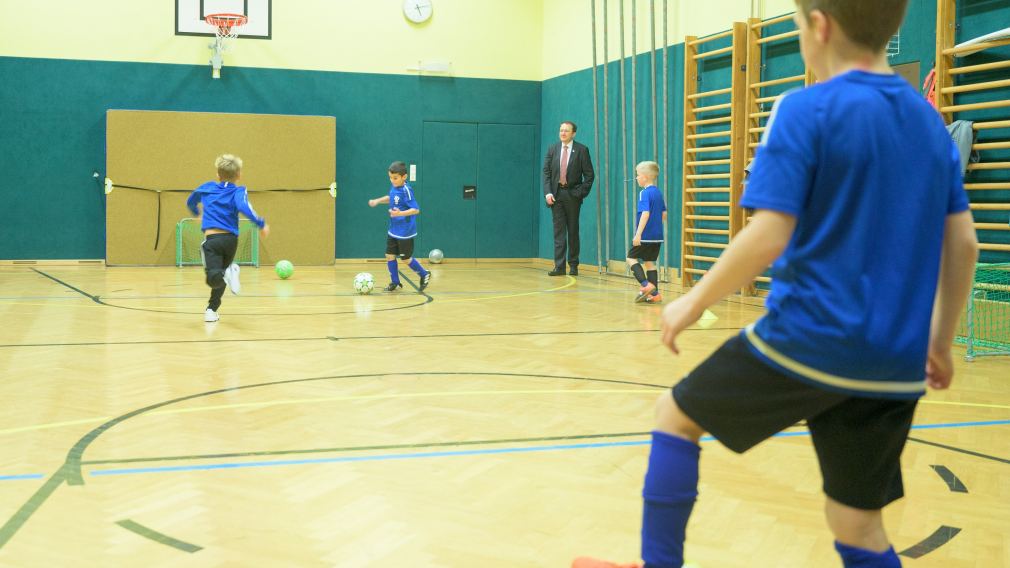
[[210, 316], [231, 279]]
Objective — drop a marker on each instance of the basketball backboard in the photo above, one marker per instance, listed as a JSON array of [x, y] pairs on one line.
[[190, 15]]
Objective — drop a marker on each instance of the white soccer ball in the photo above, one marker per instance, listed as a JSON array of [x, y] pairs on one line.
[[364, 283], [436, 256]]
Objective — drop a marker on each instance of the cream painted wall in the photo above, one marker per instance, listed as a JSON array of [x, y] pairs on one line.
[[502, 39], [569, 23], [482, 38]]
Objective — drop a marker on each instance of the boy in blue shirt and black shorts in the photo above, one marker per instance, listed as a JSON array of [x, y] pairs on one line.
[[859, 202], [402, 227], [222, 201], [651, 214]]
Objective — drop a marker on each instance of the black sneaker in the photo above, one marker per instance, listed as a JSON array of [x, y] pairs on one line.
[[393, 286], [425, 280]]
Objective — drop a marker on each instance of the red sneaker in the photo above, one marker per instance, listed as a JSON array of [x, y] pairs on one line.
[[585, 562], [655, 299], [644, 292]]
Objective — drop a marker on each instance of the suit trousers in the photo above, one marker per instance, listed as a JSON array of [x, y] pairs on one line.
[[565, 214]]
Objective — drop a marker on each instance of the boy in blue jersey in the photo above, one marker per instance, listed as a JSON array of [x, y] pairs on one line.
[[402, 226], [858, 200], [648, 239], [222, 201]]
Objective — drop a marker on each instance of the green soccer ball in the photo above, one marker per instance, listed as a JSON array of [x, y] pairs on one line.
[[284, 269]]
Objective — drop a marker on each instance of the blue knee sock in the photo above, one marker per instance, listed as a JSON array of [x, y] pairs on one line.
[[394, 272], [416, 266], [671, 487], [853, 557]]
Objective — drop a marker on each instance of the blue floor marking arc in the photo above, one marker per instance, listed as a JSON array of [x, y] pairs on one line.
[[490, 451]]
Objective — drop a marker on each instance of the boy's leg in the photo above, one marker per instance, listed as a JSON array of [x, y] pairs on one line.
[[859, 445], [392, 249], [738, 399], [231, 273], [653, 275], [407, 251], [214, 255]]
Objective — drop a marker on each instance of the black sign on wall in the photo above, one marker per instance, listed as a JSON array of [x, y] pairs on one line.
[[469, 192]]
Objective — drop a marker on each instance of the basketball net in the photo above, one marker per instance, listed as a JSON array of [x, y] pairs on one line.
[[225, 28]]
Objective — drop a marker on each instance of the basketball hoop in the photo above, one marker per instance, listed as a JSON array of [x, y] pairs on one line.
[[225, 28]]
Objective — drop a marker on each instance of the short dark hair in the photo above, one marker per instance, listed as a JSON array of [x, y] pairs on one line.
[[398, 168], [572, 124], [868, 23]]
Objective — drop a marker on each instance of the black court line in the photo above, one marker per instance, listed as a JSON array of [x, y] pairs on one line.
[[98, 300], [71, 474], [953, 483], [418, 446], [960, 450], [598, 276], [356, 337], [940, 537], [156, 536]]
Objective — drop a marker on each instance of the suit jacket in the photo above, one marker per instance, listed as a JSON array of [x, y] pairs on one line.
[[580, 171]]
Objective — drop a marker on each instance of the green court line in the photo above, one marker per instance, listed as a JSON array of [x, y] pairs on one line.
[[156, 536]]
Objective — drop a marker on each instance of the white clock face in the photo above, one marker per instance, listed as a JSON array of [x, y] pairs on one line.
[[417, 11]]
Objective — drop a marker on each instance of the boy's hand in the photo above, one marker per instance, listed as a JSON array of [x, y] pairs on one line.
[[265, 231], [395, 213], [677, 316], [372, 202], [637, 241], [939, 368]]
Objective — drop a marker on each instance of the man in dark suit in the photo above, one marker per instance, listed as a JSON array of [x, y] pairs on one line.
[[568, 177]]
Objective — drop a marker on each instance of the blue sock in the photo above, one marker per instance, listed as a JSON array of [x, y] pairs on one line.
[[416, 266], [671, 487], [853, 557], [394, 272]]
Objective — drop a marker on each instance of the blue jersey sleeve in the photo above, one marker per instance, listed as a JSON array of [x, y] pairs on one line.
[[191, 202], [786, 160], [411, 202], [958, 198], [243, 205]]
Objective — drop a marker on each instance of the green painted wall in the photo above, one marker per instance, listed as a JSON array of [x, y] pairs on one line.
[[53, 137], [570, 97]]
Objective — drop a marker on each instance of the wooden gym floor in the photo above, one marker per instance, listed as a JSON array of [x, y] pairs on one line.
[[502, 420]]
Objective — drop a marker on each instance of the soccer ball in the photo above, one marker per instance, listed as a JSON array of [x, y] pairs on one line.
[[364, 283], [436, 256], [284, 269]]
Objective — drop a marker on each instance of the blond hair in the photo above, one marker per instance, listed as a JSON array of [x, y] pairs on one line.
[[228, 167], [650, 169]]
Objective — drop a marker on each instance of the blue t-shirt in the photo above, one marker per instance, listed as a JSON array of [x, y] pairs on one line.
[[866, 166], [222, 202], [651, 199], [402, 198]]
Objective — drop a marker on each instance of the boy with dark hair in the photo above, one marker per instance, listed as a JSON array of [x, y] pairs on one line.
[[859, 202], [222, 201], [402, 227]]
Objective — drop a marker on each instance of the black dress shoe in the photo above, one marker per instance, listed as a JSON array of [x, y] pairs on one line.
[[574, 271], [556, 272]]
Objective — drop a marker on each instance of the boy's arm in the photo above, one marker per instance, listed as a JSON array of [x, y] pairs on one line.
[[957, 271], [637, 241], [378, 201], [749, 254], [407, 213], [192, 201], [243, 205]]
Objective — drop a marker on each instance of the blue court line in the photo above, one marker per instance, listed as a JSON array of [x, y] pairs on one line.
[[22, 476], [489, 451]]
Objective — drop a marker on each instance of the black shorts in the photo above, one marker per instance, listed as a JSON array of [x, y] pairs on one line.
[[400, 248], [648, 252], [742, 401]]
